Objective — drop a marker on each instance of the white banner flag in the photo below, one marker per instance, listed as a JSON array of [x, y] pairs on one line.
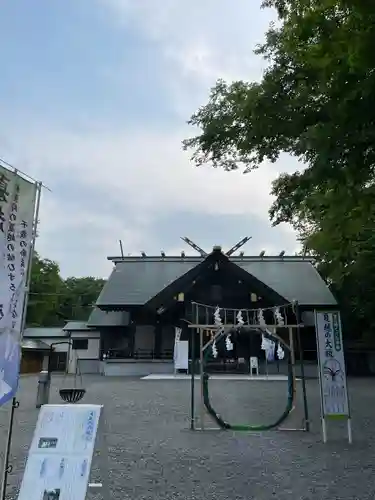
[[17, 207]]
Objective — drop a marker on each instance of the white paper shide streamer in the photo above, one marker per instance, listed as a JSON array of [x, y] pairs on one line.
[[214, 349], [228, 343], [240, 320], [268, 346], [261, 320], [17, 206], [279, 317], [219, 328], [280, 352], [217, 319]]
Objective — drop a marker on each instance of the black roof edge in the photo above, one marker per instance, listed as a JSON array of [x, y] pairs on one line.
[[198, 258]]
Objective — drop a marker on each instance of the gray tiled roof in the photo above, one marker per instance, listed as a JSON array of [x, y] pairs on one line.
[[293, 280], [34, 345], [76, 326], [43, 332], [135, 280], [110, 318]]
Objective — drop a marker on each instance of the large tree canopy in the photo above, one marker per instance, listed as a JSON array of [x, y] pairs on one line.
[[316, 101]]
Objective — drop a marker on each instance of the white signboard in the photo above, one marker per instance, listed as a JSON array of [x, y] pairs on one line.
[[181, 360], [332, 374], [17, 207], [59, 460]]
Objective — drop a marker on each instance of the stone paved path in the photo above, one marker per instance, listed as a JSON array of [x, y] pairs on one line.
[[152, 455]]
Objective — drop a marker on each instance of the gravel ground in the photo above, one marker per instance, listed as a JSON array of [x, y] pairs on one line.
[[153, 455]]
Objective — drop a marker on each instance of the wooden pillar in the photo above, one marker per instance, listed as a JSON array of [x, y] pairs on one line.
[[158, 338]]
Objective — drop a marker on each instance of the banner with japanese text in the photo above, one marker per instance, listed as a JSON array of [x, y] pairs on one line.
[[332, 372], [17, 207]]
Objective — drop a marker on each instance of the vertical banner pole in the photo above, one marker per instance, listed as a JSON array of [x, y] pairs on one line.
[[350, 436], [301, 360], [323, 421], [324, 429], [192, 368], [7, 468], [31, 257]]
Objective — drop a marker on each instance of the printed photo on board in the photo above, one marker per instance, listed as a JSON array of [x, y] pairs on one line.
[[47, 443], [51, 494]]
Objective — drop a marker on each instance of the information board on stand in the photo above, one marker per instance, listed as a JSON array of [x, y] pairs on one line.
[[59, 460], [332, 371]]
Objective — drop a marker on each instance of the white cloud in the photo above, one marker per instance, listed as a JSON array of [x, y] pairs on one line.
[[212, 39], [125, 182], [130, 178], [150, 171], [202, 40]]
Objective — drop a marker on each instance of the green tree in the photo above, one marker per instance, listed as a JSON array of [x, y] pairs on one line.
[[54, 301], [46, 286], [80, 295], [316, 102]]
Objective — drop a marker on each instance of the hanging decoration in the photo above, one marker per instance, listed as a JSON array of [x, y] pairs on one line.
[[220, 327], [280, 352], [268, 346], [274, 316], [228, 343], [250, 317], [240, 320], [217, 319], [279, 317], [261, 320], [214, 349]]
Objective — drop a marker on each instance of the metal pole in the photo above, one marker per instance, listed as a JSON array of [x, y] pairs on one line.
[[201, 373], [31, 257], [121, 249], [192, 368], [305, 405], [7, 468], [293, 360], [24, 173]]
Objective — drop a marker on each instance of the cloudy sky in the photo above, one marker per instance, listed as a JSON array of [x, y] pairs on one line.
[[94, 99]]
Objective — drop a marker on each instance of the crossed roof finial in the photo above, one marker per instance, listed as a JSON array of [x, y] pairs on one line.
[[228, 253]]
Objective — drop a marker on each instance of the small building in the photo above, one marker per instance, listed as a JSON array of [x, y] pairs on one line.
[[73, 348], [36, 347], [84, 351], [34, 356]]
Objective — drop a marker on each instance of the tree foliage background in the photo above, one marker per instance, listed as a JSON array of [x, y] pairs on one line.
[[54, 301], [316, 102]]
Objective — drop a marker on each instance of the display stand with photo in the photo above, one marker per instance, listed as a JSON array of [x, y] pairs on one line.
[[60, 457]]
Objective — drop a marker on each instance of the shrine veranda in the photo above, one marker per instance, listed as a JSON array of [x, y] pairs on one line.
[[153, 454]]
